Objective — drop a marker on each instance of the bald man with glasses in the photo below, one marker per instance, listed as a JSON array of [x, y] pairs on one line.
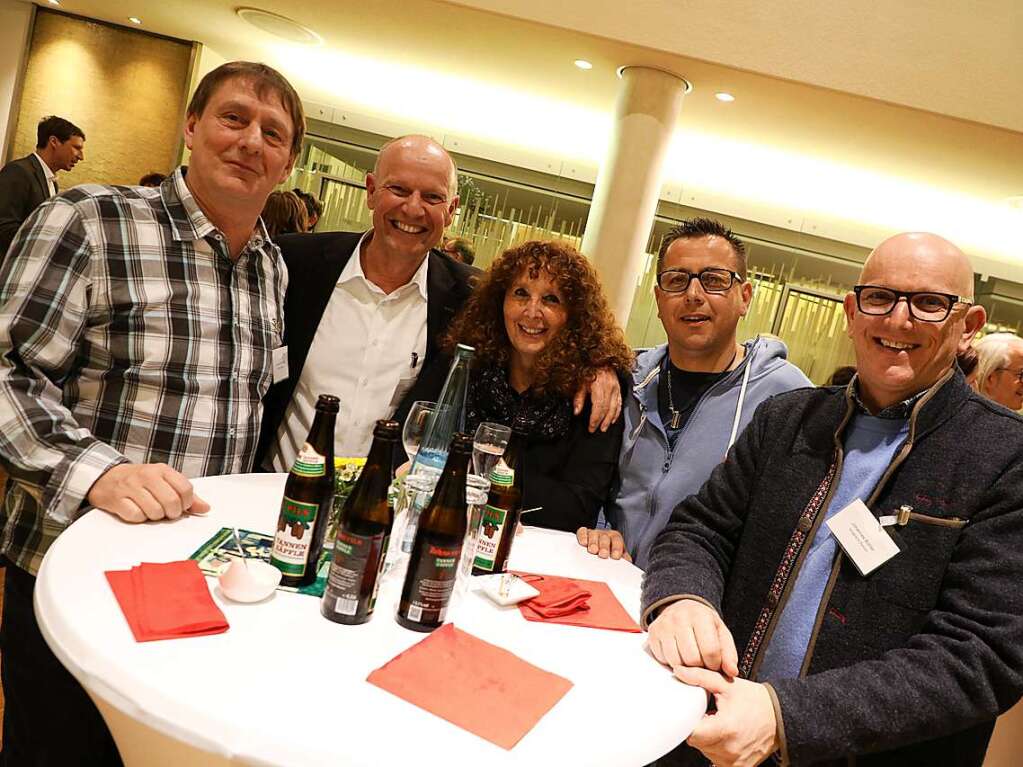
[[846, 583]]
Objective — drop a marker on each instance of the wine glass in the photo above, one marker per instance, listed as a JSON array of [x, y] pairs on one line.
[[415, 426], [488, 446]]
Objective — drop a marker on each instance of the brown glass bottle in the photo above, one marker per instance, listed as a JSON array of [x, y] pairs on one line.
[[437, 548], [308, 497], [363, 531], [504, 504]]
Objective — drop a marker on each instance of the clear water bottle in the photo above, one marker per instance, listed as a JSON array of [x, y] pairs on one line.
[[447, 419]]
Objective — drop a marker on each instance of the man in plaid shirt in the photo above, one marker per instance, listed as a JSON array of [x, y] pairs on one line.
[[138, 329]]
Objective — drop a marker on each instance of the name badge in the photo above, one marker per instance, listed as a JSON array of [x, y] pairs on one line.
[[280, 363], [862, 538]]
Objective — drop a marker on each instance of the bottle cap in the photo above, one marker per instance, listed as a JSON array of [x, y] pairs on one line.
[[328, 403], [387, 429], [461, 442]]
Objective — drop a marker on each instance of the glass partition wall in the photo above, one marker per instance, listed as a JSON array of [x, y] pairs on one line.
[[797, 293]]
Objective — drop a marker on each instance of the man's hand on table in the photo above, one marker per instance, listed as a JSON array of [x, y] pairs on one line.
[[743, 730], [603, 543], [142, 492], [689, 633], [605, 394]]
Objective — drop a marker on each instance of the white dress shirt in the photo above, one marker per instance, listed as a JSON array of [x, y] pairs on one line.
[[368, 351], [51, 178]]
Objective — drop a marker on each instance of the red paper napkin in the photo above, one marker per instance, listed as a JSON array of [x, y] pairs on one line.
[[600, 610], [166, 601], [473, 684]]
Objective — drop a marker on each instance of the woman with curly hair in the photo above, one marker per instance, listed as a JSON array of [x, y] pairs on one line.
[[542, 327]]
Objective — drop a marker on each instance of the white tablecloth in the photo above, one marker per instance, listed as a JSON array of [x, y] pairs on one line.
[[284, 686]]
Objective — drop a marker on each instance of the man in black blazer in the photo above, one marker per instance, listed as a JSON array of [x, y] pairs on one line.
[[31, 180], [412, 193]]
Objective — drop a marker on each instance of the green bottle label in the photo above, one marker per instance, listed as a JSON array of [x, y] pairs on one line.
[[294, 536]]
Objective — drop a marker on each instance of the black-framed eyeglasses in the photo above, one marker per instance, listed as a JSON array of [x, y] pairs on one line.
[[1017, 374], [924, 305], [712, 279]]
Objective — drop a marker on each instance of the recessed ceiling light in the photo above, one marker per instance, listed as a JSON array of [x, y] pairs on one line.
[[722, 96], [54, 2], [583, 64], [134, 19], [279, 26]]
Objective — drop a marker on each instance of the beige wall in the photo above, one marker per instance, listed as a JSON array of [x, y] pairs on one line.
[[124, 89]]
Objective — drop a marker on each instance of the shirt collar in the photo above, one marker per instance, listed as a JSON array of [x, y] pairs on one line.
[[188, 222], [50, 175], [353, 270], [898, 411]]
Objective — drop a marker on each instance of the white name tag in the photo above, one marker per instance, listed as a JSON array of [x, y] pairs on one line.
[[862, 538], [280, 363]]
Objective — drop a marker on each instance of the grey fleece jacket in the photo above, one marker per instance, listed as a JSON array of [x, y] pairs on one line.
[[653, 478]]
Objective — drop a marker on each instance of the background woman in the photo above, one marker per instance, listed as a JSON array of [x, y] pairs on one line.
[[1000, 369], [284, 213], [541, 327]]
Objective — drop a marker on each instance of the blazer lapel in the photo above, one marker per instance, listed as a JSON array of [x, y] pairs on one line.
[[42, 188], [439, 311]]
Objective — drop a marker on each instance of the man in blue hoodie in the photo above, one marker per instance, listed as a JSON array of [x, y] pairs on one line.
[[691, 396]]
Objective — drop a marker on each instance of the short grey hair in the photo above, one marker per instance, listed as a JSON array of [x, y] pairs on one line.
[[993, 353]]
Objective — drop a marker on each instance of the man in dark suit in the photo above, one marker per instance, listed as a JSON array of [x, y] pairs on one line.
[[28, 182], [365, 312]]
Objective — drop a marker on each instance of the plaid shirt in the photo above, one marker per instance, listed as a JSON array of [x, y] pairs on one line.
[[127, 334]]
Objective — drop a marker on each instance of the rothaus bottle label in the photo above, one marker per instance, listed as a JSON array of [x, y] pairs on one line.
[[356, 570], [294, 536], [435, 571]]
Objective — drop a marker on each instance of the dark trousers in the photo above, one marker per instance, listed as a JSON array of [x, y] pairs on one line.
[[48, 718]]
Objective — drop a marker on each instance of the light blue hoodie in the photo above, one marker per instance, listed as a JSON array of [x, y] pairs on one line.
[[653, 477]]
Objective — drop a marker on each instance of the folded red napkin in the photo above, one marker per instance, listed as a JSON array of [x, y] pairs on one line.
[[557, 597], [166, 601], [599, 608], [473, 684]]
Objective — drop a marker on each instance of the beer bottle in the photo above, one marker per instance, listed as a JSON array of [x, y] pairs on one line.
[[437, 548], [308, 497], [362, 535], [501, 514]]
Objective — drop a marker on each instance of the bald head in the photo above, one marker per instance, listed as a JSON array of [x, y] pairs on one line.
[[923, 259], [416, 149]]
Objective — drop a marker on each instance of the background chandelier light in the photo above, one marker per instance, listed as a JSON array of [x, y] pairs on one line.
[[583, 64], [279, 26], [722, 96]]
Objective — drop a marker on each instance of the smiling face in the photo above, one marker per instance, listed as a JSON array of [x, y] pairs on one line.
[[1003, 385], [897, 355], [411, 193], [241, 146], [701, 325], [534, 314]]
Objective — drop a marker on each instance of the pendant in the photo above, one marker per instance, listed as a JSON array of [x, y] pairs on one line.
[[676, 416]]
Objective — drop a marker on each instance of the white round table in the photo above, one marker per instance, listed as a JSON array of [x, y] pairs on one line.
[[284, 686]]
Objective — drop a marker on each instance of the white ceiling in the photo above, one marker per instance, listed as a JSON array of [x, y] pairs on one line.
[[953, 57], [925, 92]]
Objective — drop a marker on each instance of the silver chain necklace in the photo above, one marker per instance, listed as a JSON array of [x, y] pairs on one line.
[[676, 415]]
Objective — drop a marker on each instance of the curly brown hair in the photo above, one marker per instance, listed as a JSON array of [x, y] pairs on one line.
[[590, 339]]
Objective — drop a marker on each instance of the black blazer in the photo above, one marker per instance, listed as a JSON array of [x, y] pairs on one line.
[[23, 188], [315, 262]]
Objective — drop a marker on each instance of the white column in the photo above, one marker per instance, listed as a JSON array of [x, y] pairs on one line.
[[15, 25], [629, 181]]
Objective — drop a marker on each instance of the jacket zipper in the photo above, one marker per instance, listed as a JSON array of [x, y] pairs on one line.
[[839, 455], [903, 454]]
